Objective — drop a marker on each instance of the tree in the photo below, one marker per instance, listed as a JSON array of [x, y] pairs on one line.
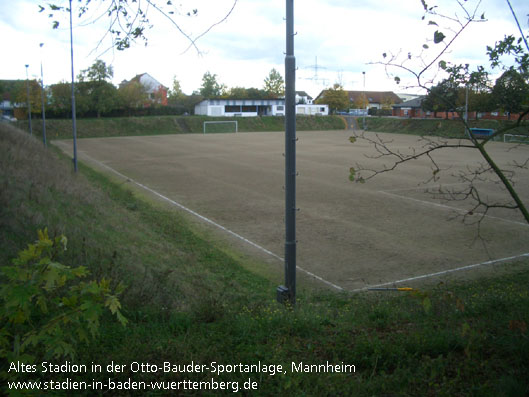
[[335, 97], [459, 77], [274, 85], [361, 102], [175, 94], [442, 98], [93, 84], [99, 71], [211, 88], [18, 93], [132, 95], [61, 99], [511, 92]]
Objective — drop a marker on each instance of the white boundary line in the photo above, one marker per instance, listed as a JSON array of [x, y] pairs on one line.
[[510, 258], [207, 220], [442, 206]]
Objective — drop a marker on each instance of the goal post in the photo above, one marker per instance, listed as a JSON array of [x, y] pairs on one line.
[[513, 138], [213, 127]]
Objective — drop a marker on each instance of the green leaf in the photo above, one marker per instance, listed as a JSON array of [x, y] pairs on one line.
[[352, 139], [438, 37], [397, 79], [121, 318], [112, 303], [442, 65], [425, 46], [352, 173], [432, 23]]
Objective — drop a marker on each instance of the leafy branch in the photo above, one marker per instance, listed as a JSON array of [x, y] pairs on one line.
[[129, 20]]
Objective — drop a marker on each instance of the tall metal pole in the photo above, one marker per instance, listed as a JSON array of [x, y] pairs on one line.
[[466, 110], [29, 101], [365, 104], [287, 293], [74, 119], [42, 98]]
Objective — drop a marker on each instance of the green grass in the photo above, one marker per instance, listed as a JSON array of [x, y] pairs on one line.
[[189, 299], [156, 125]]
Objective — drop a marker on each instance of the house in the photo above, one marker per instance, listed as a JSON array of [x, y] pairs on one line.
[[155, 90], [411, 108], [303, 98], [375, 99], [404, 96], [253, 108], [241, 107], [312, 110]]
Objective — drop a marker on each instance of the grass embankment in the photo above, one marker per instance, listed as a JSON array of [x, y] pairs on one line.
[[437, 127], [189, 301], [156, 125]]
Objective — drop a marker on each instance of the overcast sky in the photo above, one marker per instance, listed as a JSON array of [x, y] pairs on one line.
[[336, 41]]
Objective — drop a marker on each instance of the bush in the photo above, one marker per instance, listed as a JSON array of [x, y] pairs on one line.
[[45, 308]]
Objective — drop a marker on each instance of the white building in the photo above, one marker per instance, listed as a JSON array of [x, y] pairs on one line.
[[253, 108]]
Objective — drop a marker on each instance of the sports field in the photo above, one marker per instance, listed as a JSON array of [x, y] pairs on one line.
[[351, 236]]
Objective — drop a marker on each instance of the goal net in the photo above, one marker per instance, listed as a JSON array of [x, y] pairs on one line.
[[215, 127], [516, 138]]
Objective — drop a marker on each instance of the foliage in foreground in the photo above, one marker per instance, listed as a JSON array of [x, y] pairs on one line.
[[46, 309]]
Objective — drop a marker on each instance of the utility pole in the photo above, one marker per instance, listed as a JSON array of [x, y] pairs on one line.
[[74, 118], [287, 293], [29, 101]]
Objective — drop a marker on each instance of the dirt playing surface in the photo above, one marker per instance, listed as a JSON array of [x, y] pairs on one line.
[[351, 235]]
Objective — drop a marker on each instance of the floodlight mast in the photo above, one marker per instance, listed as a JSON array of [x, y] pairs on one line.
[[74, 119], [287, 293]]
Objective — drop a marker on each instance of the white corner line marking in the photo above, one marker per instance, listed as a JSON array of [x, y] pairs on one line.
[[211, 222], [447, 207], [491, 262]]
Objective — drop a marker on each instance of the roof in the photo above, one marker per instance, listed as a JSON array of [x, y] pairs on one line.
[[412, 103], [243, 102], [147, 80], [372, 96], [303, 93]]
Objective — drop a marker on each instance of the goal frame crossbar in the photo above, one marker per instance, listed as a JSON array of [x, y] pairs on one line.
[[524, 140], [221, 122]]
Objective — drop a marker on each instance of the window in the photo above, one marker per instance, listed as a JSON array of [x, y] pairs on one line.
[[249, 109], [232, 109], [280, 107]]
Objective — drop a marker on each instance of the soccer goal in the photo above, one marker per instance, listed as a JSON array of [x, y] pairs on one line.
[[516, 138], [214, 127]]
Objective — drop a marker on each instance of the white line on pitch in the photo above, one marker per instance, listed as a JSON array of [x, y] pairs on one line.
[[450, 208], [422, 187], [207, 220], [491, 262]]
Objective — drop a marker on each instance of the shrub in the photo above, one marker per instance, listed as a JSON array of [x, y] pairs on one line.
[[46, 309]]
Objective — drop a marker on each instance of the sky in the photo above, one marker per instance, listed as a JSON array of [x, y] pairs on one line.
[[336, 41]]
